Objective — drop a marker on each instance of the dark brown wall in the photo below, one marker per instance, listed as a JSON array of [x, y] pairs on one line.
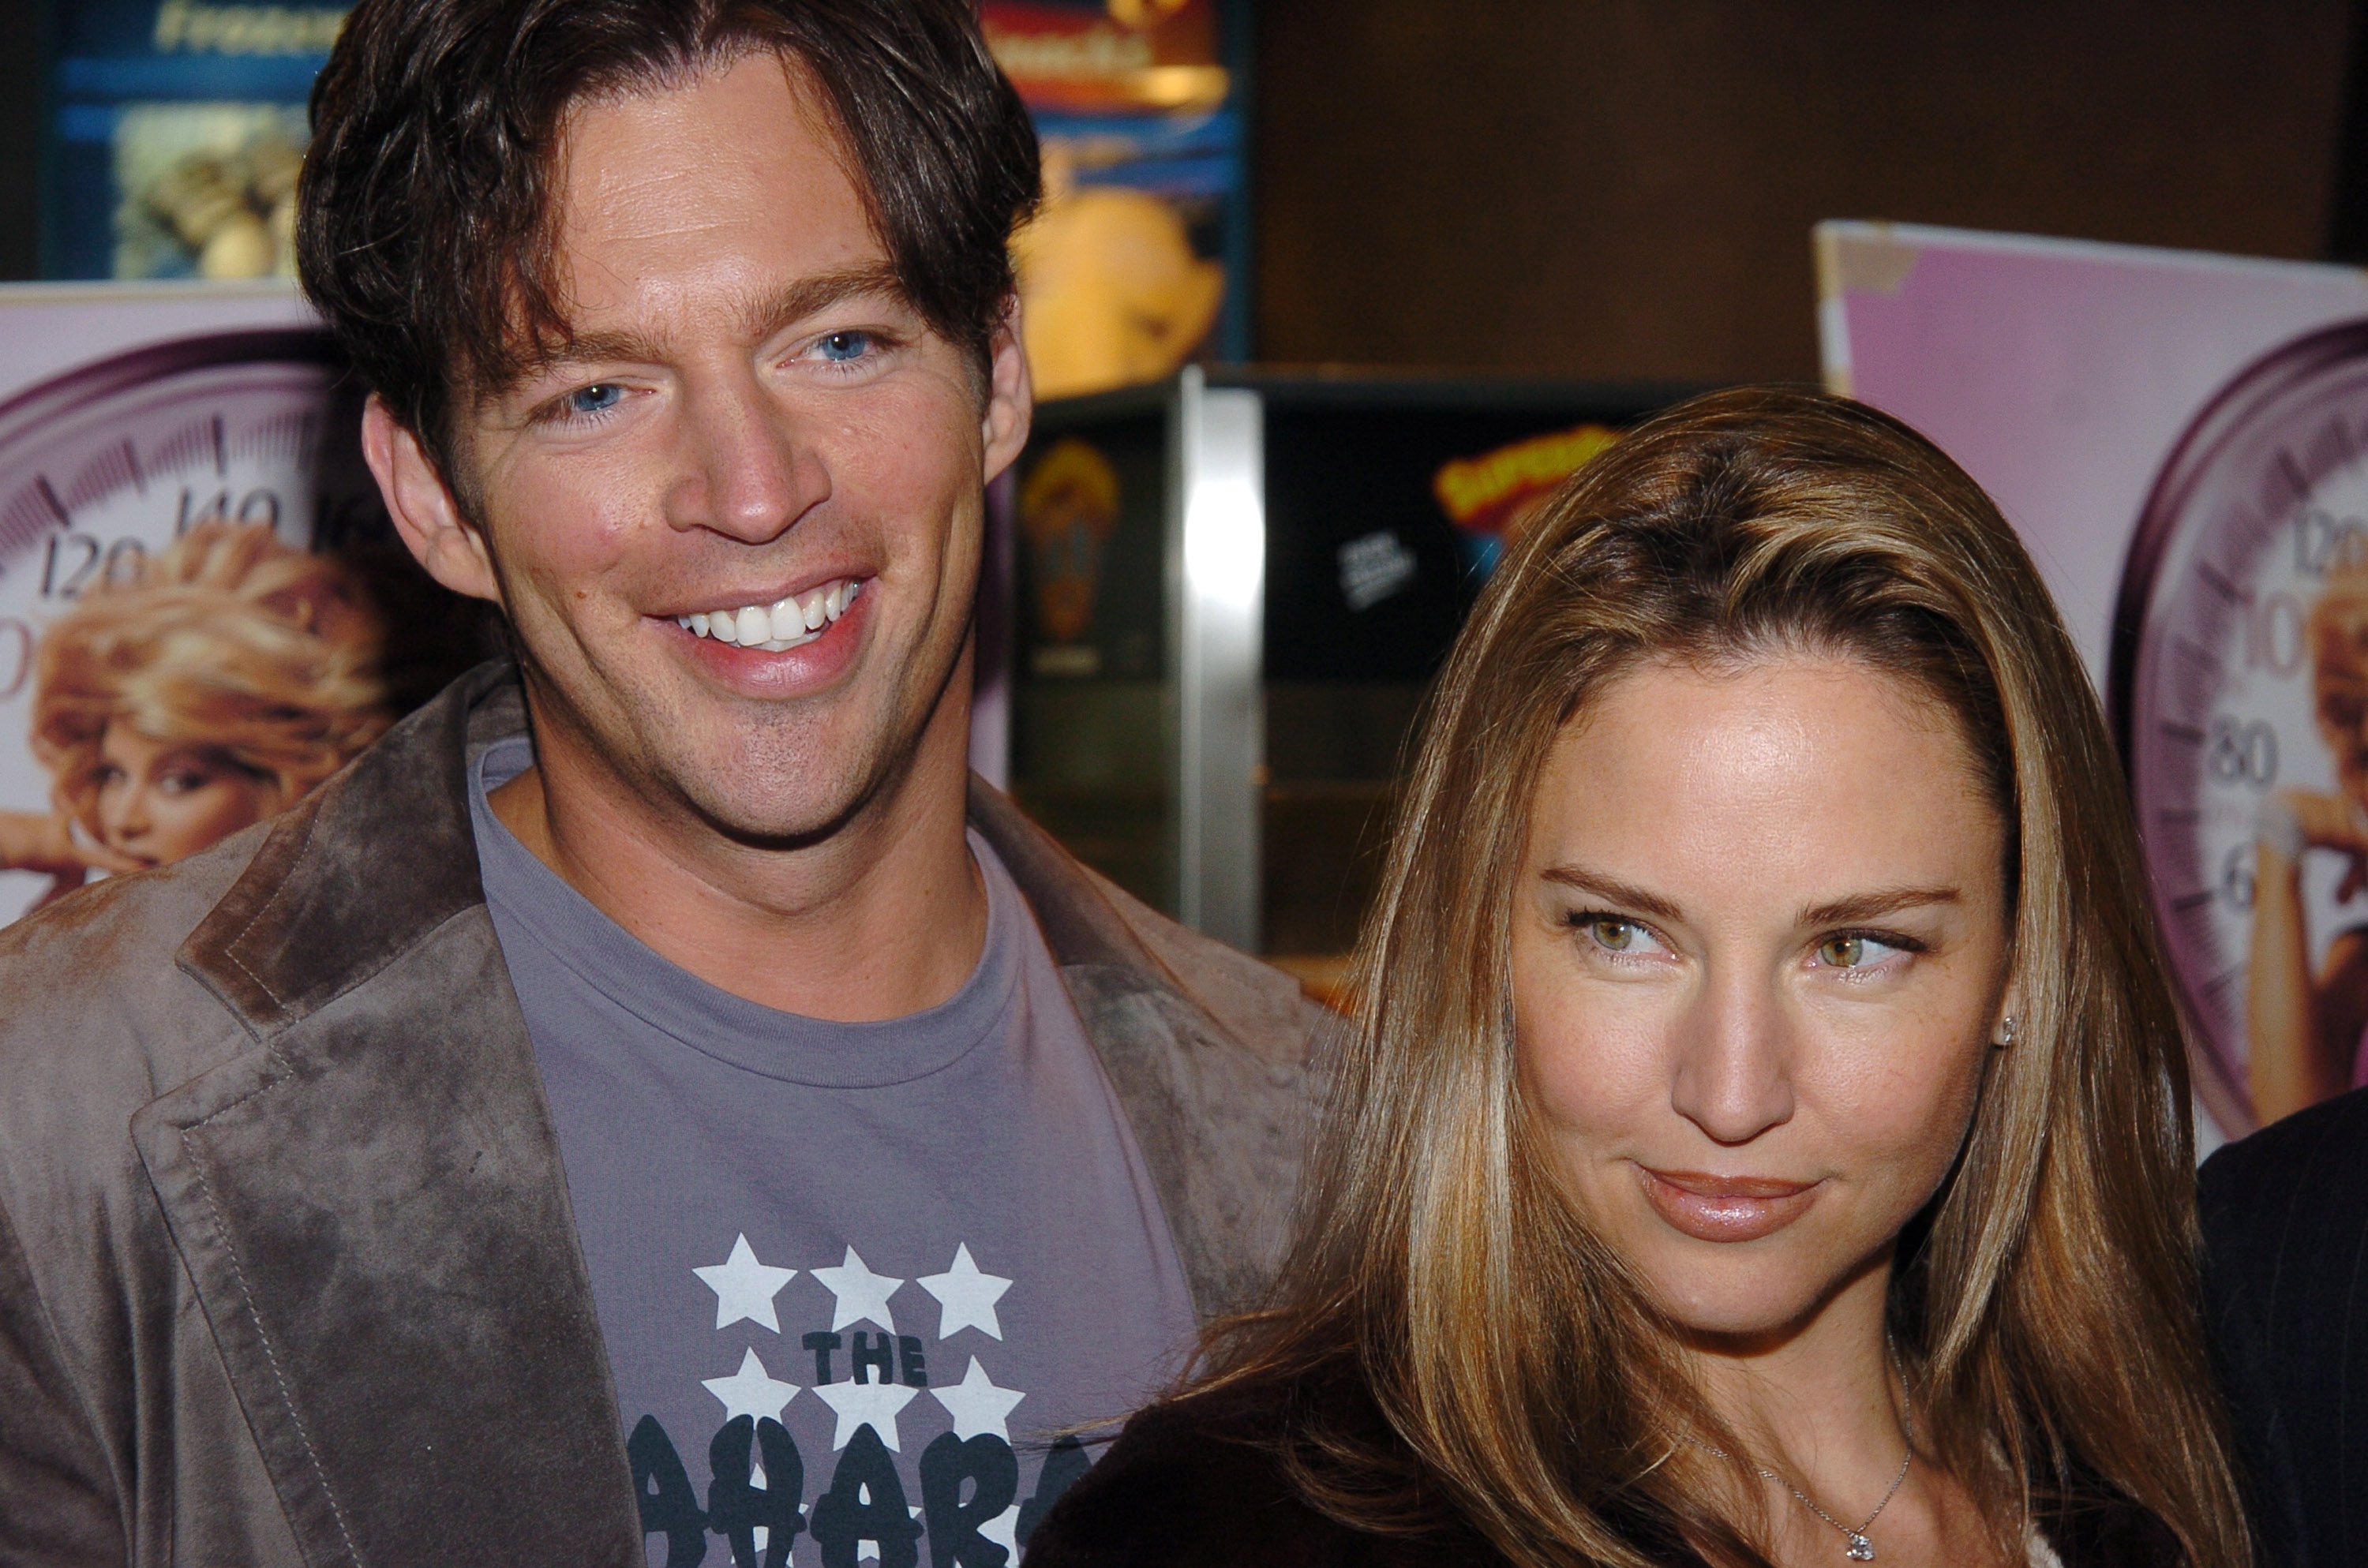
[[22, 29], [1624, 188]]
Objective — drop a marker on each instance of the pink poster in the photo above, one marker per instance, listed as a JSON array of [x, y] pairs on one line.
[[2179, 439], [188, 640]]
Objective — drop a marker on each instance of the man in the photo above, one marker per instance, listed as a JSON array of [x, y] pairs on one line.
[[655, 1103], [2285, 1227]]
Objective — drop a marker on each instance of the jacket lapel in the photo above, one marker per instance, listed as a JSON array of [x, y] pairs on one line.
[[370, 1202]]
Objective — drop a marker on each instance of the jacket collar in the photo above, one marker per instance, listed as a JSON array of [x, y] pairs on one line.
[[321, 908]]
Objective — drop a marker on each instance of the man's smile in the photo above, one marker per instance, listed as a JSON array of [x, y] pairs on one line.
[[791, 622]]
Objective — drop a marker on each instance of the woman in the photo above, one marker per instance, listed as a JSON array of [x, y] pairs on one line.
[[213, 690], [1763, 1139]]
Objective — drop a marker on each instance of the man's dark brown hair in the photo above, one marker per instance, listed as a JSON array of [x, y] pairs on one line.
[[425, 232]]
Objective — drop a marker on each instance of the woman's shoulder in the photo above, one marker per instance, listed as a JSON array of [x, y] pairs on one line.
[[1202, 1478]]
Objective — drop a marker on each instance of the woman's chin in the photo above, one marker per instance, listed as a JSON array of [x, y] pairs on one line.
[[1742, 1306]]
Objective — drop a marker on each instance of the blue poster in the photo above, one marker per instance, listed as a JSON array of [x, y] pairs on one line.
[[177, 134]]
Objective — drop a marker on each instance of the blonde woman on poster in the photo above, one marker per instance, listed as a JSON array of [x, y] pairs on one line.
[[214, 689], [2305, 1021]]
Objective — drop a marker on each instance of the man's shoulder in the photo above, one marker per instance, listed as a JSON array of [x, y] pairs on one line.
[[102, 962], [2315, 1154], [99, 1020], [1090, 922], [2288, 1202], [1255, 1002]]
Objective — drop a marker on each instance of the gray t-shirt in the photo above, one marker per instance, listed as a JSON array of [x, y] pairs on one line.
[[855, 1280]]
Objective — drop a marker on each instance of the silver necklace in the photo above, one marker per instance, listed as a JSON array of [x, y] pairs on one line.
[[1855, 1545]]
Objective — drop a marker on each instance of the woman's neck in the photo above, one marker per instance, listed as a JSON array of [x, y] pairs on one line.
[[1820, 1405]]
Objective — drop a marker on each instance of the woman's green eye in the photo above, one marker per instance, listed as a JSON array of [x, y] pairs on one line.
[[1617, 934], [1843, 952]]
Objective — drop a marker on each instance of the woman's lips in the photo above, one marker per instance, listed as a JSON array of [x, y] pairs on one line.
[[1726, 1209]]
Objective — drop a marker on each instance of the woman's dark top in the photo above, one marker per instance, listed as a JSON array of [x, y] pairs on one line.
[[1198, 1483]]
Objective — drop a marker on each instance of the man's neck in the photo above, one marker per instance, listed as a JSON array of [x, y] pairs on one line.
[[883, 918]]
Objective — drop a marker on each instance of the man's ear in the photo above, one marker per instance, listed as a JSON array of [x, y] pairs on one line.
[[423, 508], [1011, 395]]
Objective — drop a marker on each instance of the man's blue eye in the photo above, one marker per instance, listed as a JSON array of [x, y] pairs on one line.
[[841, 346], [598, 398]]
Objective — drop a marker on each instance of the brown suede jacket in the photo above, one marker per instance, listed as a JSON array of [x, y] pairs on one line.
[[288, 1271]]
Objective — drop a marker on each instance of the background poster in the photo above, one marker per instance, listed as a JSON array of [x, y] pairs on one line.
[[177, 134], [200, 600], [2179, 438], [1138, 262]]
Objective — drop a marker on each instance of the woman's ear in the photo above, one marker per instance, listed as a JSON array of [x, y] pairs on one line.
[[423, 508], [2009, 1025]]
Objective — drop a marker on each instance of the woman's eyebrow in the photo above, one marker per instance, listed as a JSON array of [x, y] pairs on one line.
[[1613, 891], [1875, 906]]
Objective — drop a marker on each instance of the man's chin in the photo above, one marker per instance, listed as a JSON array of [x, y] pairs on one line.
[[775, 805]]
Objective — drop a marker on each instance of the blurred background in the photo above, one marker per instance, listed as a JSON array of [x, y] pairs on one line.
[[1326, 294], [1598, 189]]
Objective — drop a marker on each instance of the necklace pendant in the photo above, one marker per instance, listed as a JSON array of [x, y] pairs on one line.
[[1860, 1549]]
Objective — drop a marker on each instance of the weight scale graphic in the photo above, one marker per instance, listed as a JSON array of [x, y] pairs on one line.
[[2210, 685], [110, 461]]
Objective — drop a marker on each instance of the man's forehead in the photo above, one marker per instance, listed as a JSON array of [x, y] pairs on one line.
[[715, 195], [716, 113]]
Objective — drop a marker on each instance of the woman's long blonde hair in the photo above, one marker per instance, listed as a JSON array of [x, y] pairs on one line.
[[262, 654], [2044, 1304]]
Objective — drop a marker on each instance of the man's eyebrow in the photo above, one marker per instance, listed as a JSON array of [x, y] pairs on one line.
[[1613, 892], [1875, 905], [761, 318], [812, 296]]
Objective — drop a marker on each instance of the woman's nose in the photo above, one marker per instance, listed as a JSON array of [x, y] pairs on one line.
[[1733, 1076], [123, 812]]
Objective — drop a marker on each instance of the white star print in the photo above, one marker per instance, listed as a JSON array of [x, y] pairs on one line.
[[861, 1293], [976, 1404], [859, 1404], [745, 1288], [965, 1296], [751, 1391], [1004, 1530]]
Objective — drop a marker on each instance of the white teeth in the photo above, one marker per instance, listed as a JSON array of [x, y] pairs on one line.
[[786, 623]]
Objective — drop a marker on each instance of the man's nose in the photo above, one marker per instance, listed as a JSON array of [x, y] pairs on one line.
[[1733, 1066], [751, 469]]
